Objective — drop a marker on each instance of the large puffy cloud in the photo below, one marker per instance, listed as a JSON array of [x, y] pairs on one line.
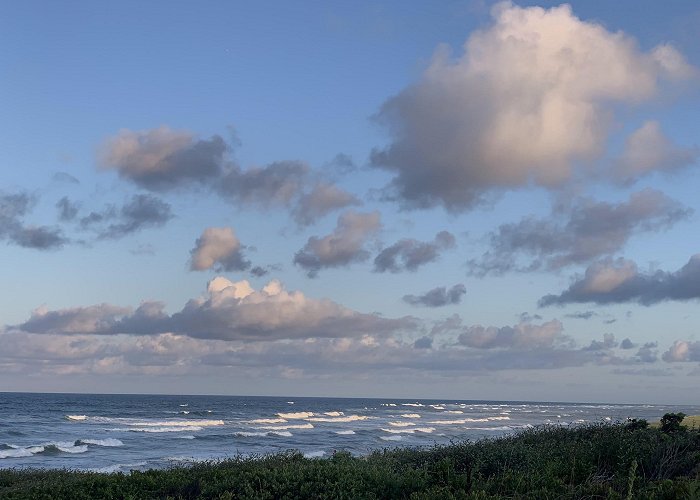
[[345, 245], [218, 247], [229, 311], [438, 297], [617, 281], [139, 212], [410, 254], [162, 158], [13, 208], [519, 106], [578, 233], [648, 149]]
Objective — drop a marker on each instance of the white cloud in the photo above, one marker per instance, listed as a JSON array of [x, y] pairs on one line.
[[218, 247], [528, 101]]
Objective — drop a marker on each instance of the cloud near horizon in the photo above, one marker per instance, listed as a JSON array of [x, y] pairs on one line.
[[519, 107], [229, 311]]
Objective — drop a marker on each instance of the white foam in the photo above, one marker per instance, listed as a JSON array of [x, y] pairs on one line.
[[186, 437], [412, 404], [438, 407], [499, 418], [17, 453], [402, 424], [164, 428], [296, 415], [501, 428], [456, 412], [345, 432], [413, 430], [263, 434], [349, 418], [109, 442], [267, 421], [185, 412], [410, 415], [285, 427], [314, 454], [334, 413], [281, 433], [390, 438], [77, 418]]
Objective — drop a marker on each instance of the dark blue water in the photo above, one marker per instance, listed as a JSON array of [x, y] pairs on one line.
[[123, 432]]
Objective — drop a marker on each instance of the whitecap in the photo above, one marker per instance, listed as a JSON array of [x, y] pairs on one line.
[[345, 432], [267, 421], [186, 437], [412, 404], [109, 442], [76, 418], [501, 428], [156, 430], [285, 427], [296, 415], [281, 433], [402, 424], [314, 454], [349, 418], [413, 430], [390, 438], [334, 413], [410, 415]]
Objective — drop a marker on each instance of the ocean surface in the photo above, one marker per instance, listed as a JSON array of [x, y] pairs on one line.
[[118, 433]]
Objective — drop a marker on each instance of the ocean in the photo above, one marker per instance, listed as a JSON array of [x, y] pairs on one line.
[[119, 433]]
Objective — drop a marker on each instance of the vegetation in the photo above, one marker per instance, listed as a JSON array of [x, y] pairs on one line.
[[627, 460]]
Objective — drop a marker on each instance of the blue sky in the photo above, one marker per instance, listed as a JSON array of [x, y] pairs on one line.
[[457, 199]]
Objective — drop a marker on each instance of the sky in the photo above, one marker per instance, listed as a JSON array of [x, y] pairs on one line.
[[460, 199]]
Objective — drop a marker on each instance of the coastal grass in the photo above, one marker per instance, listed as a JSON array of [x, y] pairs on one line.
[[627, 460]]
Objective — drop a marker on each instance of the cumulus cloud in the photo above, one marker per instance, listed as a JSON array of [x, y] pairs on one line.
[[616, 281], [648, 149], [323, 199], [161, 158], [229, 311], [218, 248], [345, 245], [682, 350], [410, 254], [140, 212], [438, 297], [580, 233], [627, 344], [608, 342], [519, 106], [14, 208]]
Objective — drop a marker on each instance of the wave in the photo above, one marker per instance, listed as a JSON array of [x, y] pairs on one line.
[[111, 469], [349, 418], [185, 412], [390, 438], [314, 454], [186, 437], [267, 421], [345, 433], [402, 424], [454, 411], [296, 415], [285, 427], [499, 428], [413, 430], [52, 448], [410, 415], [109, 442], [263, 434], [77, 418], [413, 404], [156, 430]]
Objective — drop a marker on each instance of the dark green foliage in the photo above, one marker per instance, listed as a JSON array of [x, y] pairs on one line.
[[671, 422], [611, 461]]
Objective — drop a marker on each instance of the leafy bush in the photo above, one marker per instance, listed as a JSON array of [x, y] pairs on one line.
[[625, 460]]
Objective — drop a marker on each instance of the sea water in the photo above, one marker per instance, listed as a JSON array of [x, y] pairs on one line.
[[119, 433]]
